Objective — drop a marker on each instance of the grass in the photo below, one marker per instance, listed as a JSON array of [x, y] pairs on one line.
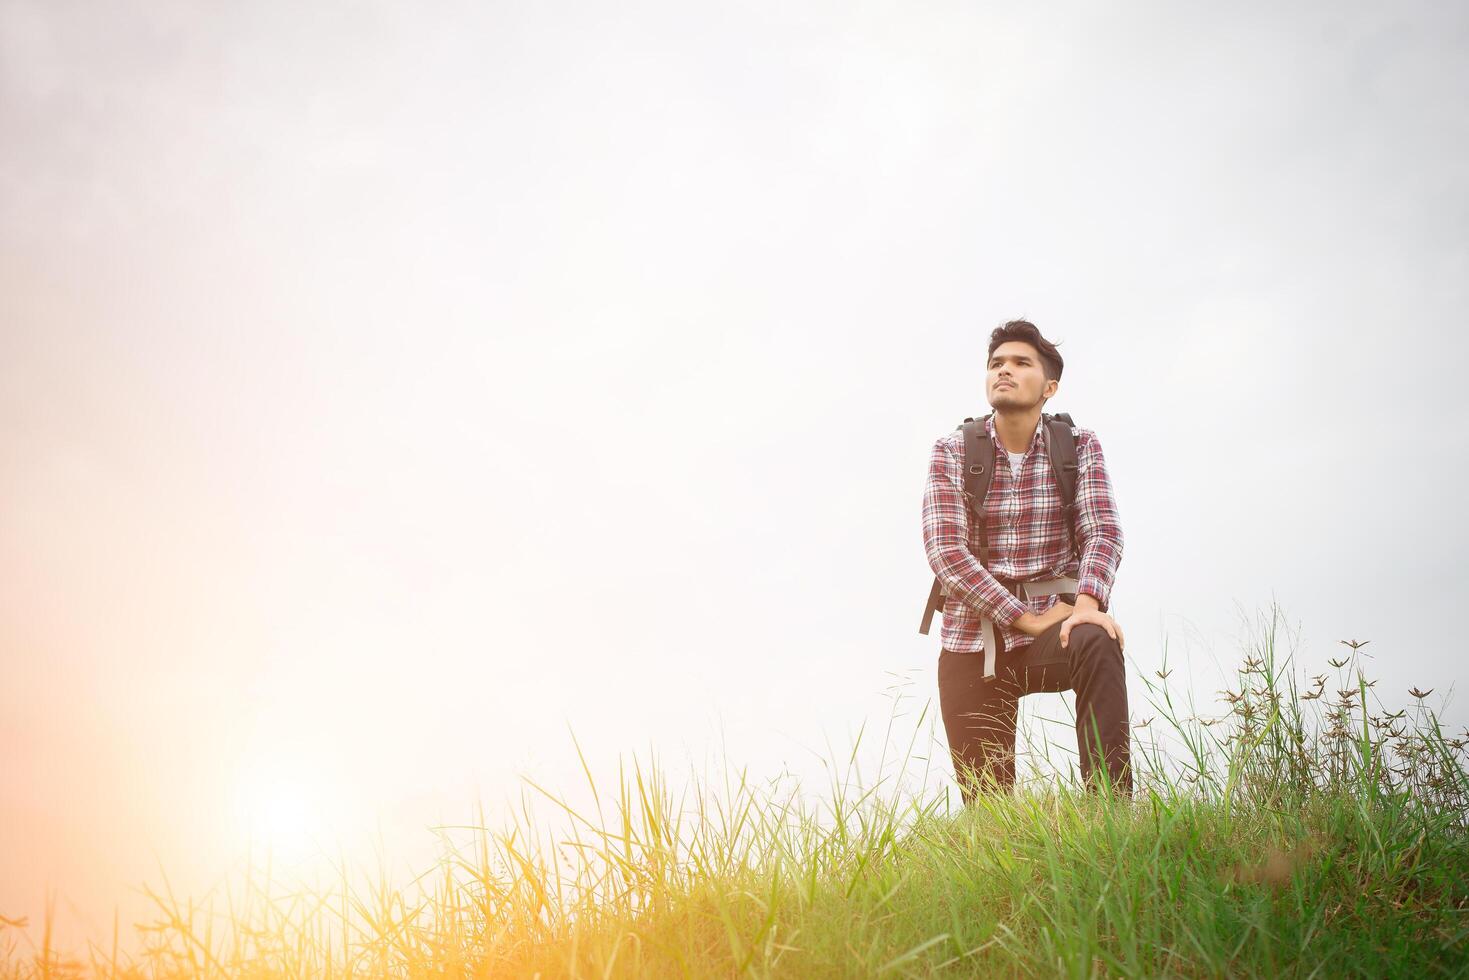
[[1300, 832]]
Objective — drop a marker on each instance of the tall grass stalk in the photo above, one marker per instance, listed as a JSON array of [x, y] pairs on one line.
[[1299, 831]]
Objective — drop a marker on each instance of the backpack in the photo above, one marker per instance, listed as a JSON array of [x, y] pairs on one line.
[[1060, 448]]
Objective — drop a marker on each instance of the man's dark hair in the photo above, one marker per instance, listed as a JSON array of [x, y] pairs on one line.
[[1024, 330]]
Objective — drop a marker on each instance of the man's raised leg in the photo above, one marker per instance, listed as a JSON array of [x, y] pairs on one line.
[[1099, 677]]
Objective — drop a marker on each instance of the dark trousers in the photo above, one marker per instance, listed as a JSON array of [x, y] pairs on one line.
[[979, 715]]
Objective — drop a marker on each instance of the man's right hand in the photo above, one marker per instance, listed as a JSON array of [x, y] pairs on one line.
[[1033, 624]]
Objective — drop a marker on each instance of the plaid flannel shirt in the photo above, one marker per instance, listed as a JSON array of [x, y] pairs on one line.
[[1025, 534]]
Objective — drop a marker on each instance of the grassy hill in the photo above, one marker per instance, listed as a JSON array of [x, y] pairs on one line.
[[1303, 832]]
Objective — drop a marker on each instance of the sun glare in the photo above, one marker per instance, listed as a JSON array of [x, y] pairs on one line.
[[282, 813]]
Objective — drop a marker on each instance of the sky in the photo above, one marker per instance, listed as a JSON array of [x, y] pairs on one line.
[[390, 393]]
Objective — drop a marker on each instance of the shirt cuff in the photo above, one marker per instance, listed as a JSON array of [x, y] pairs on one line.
[[1094, 586], [1009, 609]]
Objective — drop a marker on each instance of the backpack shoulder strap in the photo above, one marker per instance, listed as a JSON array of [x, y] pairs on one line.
[[979, 461], [1061, 451], [979, 469]]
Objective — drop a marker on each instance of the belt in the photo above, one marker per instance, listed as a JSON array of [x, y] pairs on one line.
[[1021, 591]]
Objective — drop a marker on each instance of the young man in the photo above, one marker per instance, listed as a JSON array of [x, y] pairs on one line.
[[1044, 642]]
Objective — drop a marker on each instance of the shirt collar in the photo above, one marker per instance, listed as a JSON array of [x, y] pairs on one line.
[[1035, 438]]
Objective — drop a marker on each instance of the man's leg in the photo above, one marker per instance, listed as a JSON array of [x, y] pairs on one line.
[[979, 719], [1099, 678]]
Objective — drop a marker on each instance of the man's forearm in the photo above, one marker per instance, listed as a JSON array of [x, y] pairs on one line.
[[1034, 624], [971, 583]]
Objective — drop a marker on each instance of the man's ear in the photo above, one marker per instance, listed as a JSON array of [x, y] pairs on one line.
[[1049, 391]]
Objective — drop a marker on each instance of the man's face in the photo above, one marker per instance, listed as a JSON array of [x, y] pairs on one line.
[[1016, 379]]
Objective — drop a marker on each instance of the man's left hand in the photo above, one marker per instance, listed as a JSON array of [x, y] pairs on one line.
[[1087, 612]]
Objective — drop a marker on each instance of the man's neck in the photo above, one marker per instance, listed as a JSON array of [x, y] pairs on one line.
[[1015, 430]]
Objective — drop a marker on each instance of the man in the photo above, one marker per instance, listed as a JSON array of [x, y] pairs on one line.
[[1044, 644]]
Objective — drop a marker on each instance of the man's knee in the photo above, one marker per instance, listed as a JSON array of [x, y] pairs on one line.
[[1091, 640]]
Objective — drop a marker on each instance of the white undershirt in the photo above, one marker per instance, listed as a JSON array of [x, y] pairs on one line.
[[1015, 460]]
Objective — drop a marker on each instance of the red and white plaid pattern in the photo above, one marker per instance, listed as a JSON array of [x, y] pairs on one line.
[[1025, 531]]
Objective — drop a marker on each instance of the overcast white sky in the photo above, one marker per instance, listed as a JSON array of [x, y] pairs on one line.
[[385, 388]]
